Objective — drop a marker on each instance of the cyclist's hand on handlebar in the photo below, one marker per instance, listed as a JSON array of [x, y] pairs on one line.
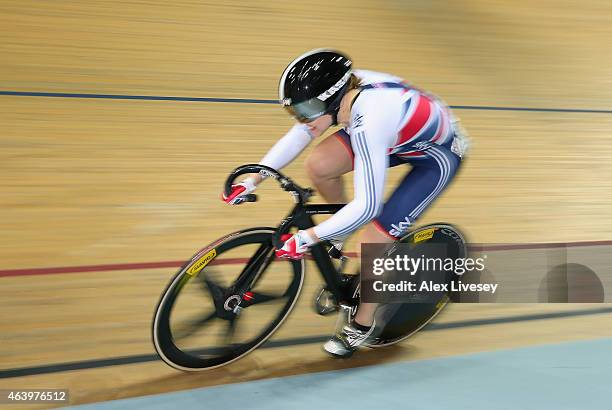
[[239, 192], [295, 246]]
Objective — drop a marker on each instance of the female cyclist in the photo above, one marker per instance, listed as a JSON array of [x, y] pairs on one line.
[[386, 122]]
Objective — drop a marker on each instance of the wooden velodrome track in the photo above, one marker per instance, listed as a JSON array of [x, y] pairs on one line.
[[105, 181]]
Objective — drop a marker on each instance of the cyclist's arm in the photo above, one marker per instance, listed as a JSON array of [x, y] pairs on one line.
[[374, 133], [288, 147], [284, 151]]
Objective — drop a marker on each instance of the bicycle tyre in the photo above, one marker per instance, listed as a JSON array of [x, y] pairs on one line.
[[416, 316], [163, 339]]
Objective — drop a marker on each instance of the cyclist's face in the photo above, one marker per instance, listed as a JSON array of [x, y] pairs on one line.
[[319, 125]]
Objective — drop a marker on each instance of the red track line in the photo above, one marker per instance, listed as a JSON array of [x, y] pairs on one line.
[[229, 261], [107, 268], [89, 268], [511, 246]]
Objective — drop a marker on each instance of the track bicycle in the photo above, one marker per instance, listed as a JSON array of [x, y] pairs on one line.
[[234, 294]]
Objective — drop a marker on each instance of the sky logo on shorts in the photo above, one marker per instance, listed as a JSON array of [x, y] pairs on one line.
[[401, 227]]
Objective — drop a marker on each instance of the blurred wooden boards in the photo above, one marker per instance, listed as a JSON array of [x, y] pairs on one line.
[[140, 180], [103, 181], [85, 177], [56, 319], [548, 53]]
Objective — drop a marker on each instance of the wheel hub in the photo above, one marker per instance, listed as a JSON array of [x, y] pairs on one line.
[[232, 304]]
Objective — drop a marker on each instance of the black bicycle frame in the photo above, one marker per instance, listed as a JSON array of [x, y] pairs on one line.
[[300, 217]]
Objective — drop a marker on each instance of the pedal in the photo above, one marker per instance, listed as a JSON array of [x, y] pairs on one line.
[[325, 302]]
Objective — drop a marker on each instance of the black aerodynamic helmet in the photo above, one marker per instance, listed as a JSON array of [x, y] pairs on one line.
[[314, 84]]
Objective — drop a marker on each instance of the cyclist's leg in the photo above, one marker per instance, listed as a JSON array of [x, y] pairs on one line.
[[363, 328], [428, 178], [414, 194], [370, 234], [325, 166], [417, 191]]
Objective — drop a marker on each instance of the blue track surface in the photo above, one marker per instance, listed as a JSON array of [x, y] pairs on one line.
[[560, 376]]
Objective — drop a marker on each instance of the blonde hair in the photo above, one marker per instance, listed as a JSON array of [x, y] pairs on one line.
[[354, 82]]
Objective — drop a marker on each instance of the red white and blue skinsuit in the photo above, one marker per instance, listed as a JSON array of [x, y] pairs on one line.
[[392, 123]]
